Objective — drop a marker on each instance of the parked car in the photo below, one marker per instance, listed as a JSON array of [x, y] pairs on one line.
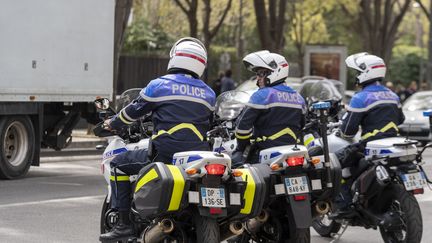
[[416, 126]]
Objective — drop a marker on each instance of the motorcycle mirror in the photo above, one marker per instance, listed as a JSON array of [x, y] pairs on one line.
[[102, 103], [229, 124]]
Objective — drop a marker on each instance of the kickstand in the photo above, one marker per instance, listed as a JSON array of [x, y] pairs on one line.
[[340, 232]]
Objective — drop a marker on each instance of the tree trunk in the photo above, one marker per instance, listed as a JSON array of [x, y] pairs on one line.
[[122, 11], [429, 64]]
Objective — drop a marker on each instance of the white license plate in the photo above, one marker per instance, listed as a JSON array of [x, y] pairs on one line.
[[414, 180], [296, 185], [213, 197]]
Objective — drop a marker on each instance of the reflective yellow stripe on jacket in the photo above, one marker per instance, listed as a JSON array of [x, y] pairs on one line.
[[387, 127], [285, 131], [120, 178], [178, 127]]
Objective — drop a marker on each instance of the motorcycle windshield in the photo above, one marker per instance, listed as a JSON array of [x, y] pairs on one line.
[[127, 97], [320, 91], [230, 104]]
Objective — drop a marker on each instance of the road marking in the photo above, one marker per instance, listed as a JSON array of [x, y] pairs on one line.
[[61, 183], [60, 200]]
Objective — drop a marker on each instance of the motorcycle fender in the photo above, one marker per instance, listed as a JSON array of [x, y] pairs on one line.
[[300, 211]]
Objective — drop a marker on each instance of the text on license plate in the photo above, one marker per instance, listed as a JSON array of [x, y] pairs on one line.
[[414, 180], [213, 197], [296, 185]]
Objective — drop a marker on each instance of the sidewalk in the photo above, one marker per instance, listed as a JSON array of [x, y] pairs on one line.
[[83, 144]]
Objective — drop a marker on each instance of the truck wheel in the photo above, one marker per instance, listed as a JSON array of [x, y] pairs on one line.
[[17, 141]]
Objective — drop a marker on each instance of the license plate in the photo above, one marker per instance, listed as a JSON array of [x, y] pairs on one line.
[[414, 180], [213, 197], [296, 185]]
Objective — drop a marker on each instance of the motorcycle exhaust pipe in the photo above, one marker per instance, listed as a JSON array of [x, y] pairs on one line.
[[156, 233], [230, 230], [253, 225], [322, 207]]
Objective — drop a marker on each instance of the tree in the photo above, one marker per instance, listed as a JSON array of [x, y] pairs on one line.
[[208, 32], [190, 7], [122, 11], [306, 22], [271, 28], [377, 22], [428, 13]]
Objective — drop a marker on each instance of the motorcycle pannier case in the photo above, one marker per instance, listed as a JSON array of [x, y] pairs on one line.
[[160, 189], [255, 192]]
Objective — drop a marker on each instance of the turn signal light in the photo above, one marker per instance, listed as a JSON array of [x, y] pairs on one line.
[[275, 166], [315, 160], [215, 169], [299, 197], [236, 173], [191, 171], [295, 161]]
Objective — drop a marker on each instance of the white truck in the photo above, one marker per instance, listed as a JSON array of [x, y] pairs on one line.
[[56, 58]]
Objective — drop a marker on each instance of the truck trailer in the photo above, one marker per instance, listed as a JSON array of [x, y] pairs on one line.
[[56, 58]]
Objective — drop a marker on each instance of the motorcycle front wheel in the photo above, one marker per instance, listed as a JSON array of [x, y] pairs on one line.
[[406, 205], [325, 227]]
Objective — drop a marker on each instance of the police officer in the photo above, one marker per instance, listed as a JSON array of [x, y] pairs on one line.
[[376, 109], [275, 113], [181, 106]]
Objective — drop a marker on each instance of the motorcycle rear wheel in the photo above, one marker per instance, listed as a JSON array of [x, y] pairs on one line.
[[207, 229], [404, 201]]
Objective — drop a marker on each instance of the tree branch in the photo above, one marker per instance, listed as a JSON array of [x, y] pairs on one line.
[[219, 23], [425, 11], [182, 7]]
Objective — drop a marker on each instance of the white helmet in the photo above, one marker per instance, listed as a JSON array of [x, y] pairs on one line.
[[371, 67], [276, 64], [188, 54]]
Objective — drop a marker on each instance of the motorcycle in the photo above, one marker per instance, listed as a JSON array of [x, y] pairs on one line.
[[291, 179], [383, 187], [197, 199]]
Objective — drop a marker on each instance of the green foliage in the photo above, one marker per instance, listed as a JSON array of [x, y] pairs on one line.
[[141, 38], [405, 64]]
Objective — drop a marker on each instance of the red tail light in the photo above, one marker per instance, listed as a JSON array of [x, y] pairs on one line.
[[299, 198], [295, 161], [418, 191], [215, 210], [215, 169]]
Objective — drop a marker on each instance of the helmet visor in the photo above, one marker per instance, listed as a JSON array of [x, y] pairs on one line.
[[351, 61]]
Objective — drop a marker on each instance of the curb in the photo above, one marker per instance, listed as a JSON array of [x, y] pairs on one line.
[[70, 158]]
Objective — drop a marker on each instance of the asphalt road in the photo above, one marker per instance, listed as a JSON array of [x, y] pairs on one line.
[[60, 201]]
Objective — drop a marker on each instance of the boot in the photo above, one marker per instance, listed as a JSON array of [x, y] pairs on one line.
[[342, 203], [124, 230]]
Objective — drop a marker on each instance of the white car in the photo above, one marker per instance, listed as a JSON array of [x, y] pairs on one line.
[[417, 126]]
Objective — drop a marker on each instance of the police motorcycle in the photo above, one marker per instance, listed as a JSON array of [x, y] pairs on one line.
[[291, 180], [197, 199], [383, 187]]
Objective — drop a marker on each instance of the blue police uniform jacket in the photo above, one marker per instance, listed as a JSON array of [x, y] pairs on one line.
[[274, 116], [181, 109], [377, 110]]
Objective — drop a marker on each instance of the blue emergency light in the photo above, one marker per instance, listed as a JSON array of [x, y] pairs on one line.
[[321, 105]]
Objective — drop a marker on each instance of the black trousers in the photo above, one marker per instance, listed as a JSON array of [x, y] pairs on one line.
[[127, 164]]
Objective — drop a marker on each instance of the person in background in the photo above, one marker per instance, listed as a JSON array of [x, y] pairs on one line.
[[389, 85], [227, 83], [412, 88], [217, 85]]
